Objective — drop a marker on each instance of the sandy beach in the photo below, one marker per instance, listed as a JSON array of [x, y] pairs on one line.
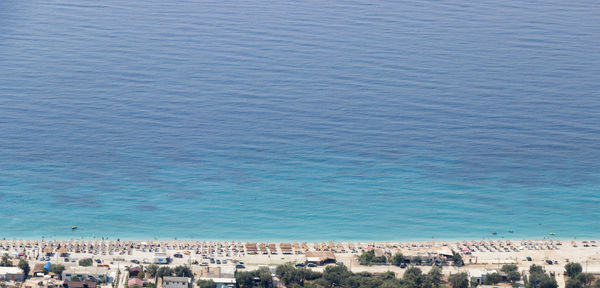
[[476, 254]]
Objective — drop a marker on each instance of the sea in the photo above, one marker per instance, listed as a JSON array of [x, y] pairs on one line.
[[303, 120]]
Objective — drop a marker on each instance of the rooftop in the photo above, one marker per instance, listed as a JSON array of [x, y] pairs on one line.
[[86, 270], [177, 279], [80, 284], [10, 270]]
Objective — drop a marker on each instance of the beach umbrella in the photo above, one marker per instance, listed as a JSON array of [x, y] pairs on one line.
[[47, 266]]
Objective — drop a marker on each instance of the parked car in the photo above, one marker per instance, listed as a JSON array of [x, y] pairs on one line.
[[135, 261], [240, 266], [224, 261], [311, 265], [218, 261], [212, 260], [549, 262], [204, 264], [98, 261], [299, 265], [339, 263], [529, 258], [403, 265], [178, 255]]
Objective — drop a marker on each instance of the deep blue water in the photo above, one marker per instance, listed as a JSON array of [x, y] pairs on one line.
[[305, 120]]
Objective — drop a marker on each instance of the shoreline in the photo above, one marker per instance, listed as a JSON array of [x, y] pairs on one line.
[[177, 239]]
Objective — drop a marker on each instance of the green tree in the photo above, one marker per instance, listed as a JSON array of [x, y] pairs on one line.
[[57, 269], [460, 280], [492, 279], [164, 271], [290, 275], [513, 276], [549, 282], [433, 278], [5, 261], [335, 275], [287, 273], [536, 269], [24, 266], [572, 283], [539, 279], [413, 277], [151, 269], [394, 283], [206, 284], [368, 258], [457, 259], [266, 280], [86, 262], [183, 271], [585, 278], [75, 279], [535, 279], [417, 260], [572, 269], [397, 259], [244, 279], [362, 280], [506, 268]]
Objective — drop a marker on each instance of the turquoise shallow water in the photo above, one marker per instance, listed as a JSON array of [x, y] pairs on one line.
[[304, 120]]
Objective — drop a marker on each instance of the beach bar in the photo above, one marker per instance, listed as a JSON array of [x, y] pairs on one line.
[[320, 257]]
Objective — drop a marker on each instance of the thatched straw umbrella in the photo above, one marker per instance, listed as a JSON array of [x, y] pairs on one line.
[[48, 250]]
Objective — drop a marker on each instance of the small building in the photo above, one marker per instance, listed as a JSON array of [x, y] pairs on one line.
[[135, 271], [478, 275], [80, 284], [11, 274], [37, 270], [43, 282], [177, 282], [222, 282], [217, 272], [135, 281], [379, 252], [447, 254], [97, 274], [320, 257]]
